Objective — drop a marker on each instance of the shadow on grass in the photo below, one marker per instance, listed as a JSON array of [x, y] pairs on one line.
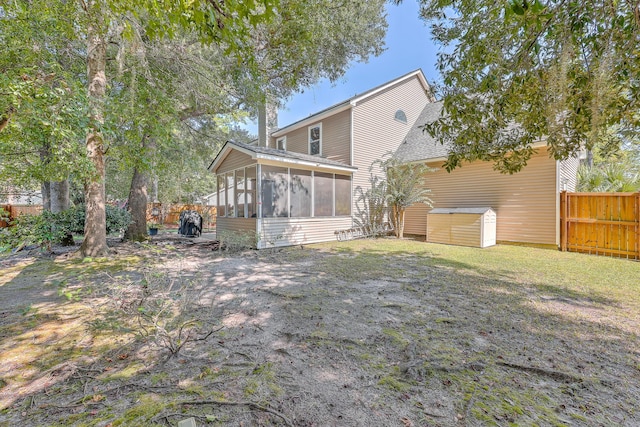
[[342, 336]]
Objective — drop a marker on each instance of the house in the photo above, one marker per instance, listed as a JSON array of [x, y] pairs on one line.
[[297, 185]]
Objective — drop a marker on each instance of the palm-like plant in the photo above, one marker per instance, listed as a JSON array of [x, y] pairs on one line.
[[406, 186], [607, 178]]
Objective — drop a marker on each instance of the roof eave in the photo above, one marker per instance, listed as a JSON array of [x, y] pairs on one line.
[[312, 119], [224, 152], [299, 162]]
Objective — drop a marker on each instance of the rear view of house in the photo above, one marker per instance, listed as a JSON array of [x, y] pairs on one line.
[[297, 184]]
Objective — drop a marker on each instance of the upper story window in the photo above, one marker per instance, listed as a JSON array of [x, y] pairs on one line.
[[401, 116], [281, 143], [315, 139]]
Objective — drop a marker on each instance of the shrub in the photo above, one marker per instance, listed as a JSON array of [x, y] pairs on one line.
[[50, 228], [236, 241]]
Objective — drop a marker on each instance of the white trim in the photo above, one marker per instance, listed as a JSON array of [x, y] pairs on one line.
[[352, 102], [266, 159], [284, 143], [319, 126], [558, 175], [417, 73], [351, 139], [226, 149], [312, 119]]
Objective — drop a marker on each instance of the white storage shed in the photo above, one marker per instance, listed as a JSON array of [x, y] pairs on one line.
[[462, 226]]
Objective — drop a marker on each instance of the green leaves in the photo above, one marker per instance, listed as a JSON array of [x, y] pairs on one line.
[[520, 72]]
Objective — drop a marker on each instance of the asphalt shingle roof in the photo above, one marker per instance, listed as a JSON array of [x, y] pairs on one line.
[[289, 154], [419, 145]]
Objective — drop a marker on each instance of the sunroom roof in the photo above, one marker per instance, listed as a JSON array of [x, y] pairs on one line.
[[281, 156]]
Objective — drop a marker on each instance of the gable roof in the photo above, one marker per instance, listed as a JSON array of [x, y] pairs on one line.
[[272, 154], [352, 102], [419, 145]]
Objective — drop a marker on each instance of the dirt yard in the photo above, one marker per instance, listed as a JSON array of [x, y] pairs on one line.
[[367, 333]]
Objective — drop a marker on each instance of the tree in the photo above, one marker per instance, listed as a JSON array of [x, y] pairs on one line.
[[42, 104], [306, 41], [520, 71], [223, 22], [405, 186]]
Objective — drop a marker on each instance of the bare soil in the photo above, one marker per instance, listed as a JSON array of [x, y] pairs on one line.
[[314, 336]]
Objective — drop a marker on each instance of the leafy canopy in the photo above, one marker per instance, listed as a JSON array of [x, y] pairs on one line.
[[564, 71]]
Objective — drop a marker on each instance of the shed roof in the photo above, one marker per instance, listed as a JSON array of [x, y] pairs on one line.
[[273, 154], [460, 210]]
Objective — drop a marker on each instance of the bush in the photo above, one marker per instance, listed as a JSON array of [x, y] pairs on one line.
[[32, 230], [49, 228], [236, 241]]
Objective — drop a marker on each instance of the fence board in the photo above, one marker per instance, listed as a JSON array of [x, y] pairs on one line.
[[601, 223], [169, 214]]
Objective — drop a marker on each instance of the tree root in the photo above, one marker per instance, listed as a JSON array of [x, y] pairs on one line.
[[251, 405]]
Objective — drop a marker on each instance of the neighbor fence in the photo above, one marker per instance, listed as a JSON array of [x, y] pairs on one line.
[[15, 211], [601, 223], [169, 213]]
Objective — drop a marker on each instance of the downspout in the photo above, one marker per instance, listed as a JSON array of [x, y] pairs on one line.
[[353, 199]]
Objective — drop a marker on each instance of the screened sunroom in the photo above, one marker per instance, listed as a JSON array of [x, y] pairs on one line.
[[285, 198]]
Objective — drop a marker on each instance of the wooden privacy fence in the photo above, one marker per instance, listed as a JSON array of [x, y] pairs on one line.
[[601, 223], [170, 213], [17, 210]]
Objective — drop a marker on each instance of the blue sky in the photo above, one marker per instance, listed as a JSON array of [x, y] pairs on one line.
[[408, 47]]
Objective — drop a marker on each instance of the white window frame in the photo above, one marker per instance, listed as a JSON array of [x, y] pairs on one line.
[[399, 119], [317, 125], [282, 139]]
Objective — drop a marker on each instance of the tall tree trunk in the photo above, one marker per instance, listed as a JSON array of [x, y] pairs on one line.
[[95, 225], [59, 196], [59, 201], [45, 186], [138, 207], [401, 223], [138, 197], [46, 195]]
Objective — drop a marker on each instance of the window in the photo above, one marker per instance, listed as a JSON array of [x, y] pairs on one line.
[[221, 195], [300, 196], [343, 195], [315, 140], [281, 143], [323, 194], [239, 190], [401, 116], [275, 184]]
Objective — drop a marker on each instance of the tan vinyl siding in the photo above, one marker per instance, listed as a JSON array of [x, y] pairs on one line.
[[375, 129], [278, 232], [234, 160], [458, 229], [525, 202], [246, 225], [336, 135], [464, 229]]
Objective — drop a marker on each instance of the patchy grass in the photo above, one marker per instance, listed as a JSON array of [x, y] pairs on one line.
[[378, 332]]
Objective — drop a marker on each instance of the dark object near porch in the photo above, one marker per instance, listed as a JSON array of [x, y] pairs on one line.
[[190, 224]]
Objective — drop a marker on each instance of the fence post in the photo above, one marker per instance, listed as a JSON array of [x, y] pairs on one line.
[[563, 221], [638, 225]]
